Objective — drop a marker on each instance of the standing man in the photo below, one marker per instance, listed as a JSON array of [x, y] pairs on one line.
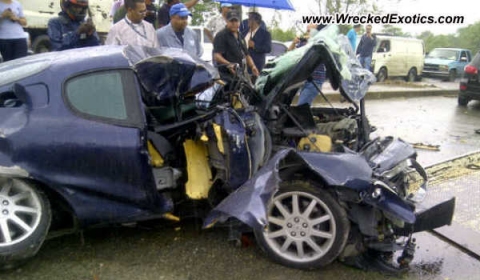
[[177, 35], [70, 30], [259, 40], [352, 36], [164, 11], [132, 29], [218, 22], [13, 42], [365, 48], [229, 49]]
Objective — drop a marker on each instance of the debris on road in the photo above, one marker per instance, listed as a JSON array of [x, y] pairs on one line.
[[426, 146]]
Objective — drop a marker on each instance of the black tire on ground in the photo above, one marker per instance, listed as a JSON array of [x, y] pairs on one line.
[[462, 101], [412, 75], [306, 229], [452, 75], [41, 44], [382, 75], [24, 223]]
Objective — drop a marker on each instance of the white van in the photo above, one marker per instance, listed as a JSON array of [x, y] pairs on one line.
[[398, 57]]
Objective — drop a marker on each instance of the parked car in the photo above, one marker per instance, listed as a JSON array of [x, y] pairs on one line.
[[446, 63], [469, 83], [121, 134], [398, 57], [278, 48]]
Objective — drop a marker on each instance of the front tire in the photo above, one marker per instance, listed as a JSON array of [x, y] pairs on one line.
[[452, 75], [25, 218], [306, 228]]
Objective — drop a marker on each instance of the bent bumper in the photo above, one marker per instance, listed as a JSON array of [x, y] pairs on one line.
[[431, 218]]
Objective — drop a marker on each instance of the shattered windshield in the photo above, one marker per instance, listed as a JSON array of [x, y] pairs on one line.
[[168, 73], [328, 47]]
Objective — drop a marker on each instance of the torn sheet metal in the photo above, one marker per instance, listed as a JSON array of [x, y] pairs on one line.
[[249, 202]]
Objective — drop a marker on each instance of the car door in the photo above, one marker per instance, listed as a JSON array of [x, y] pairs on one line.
[[101, 151]]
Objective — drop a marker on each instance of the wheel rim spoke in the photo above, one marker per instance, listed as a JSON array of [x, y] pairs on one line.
[[320, 220], [20, 196], [314, 246], [20, 223], [5, 231], [276, 221], [309, 209], [322, 234], [286, 244], [276, 234], [295, 205], [300, 251], [282, 209], [6, 188], [25, 209]]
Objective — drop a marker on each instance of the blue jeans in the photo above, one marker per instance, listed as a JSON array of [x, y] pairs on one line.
[[366, 62], [308, 93]]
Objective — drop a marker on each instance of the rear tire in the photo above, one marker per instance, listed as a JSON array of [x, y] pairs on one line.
[[412, 75], [25, 218], [41, 44], [462, 101], [382, 75], [307, 228]]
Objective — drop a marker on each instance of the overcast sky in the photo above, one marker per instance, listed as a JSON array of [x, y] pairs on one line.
[[464, 8]]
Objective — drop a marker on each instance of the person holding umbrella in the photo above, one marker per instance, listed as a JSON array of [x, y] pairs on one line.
[[259, 40]]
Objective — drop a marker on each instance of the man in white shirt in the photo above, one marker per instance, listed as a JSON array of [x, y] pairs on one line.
[[133, 30]]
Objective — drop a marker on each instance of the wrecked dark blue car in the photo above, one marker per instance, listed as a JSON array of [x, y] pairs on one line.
[[125, 134]]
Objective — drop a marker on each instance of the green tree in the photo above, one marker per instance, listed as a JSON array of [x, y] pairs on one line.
[[394, 30], [468, 37], [202, 12], [282, 35]]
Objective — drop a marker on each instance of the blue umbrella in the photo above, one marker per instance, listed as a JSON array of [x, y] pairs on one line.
[[274, 4]]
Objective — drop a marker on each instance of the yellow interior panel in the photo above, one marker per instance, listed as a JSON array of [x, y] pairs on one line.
[[199, 173], [316, 143], [156, 158], [218, 134]]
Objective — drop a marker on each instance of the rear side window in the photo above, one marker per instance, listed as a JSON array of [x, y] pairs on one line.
[[98, 95], [107, 96]]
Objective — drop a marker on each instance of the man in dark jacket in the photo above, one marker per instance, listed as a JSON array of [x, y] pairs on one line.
[[365, 48], [230, 50], [259, 40], [70, 30]]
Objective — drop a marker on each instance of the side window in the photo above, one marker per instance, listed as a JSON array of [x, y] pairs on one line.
[[463, 56], [384, 46], [98, 95], [107, 96]]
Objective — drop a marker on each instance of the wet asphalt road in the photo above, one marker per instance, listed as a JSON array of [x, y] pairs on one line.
[[179, 251]]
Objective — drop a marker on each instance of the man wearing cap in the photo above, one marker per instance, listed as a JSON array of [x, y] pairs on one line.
[[244, 24], [177, 35], [259, 41], [163, 16], [218, 22], [132, 29], [229, 49]]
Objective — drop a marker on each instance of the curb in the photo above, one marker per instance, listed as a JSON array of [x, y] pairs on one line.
[[375, 95]]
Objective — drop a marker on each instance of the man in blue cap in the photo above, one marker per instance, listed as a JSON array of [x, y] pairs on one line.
[[177, 35], [163, 16]]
